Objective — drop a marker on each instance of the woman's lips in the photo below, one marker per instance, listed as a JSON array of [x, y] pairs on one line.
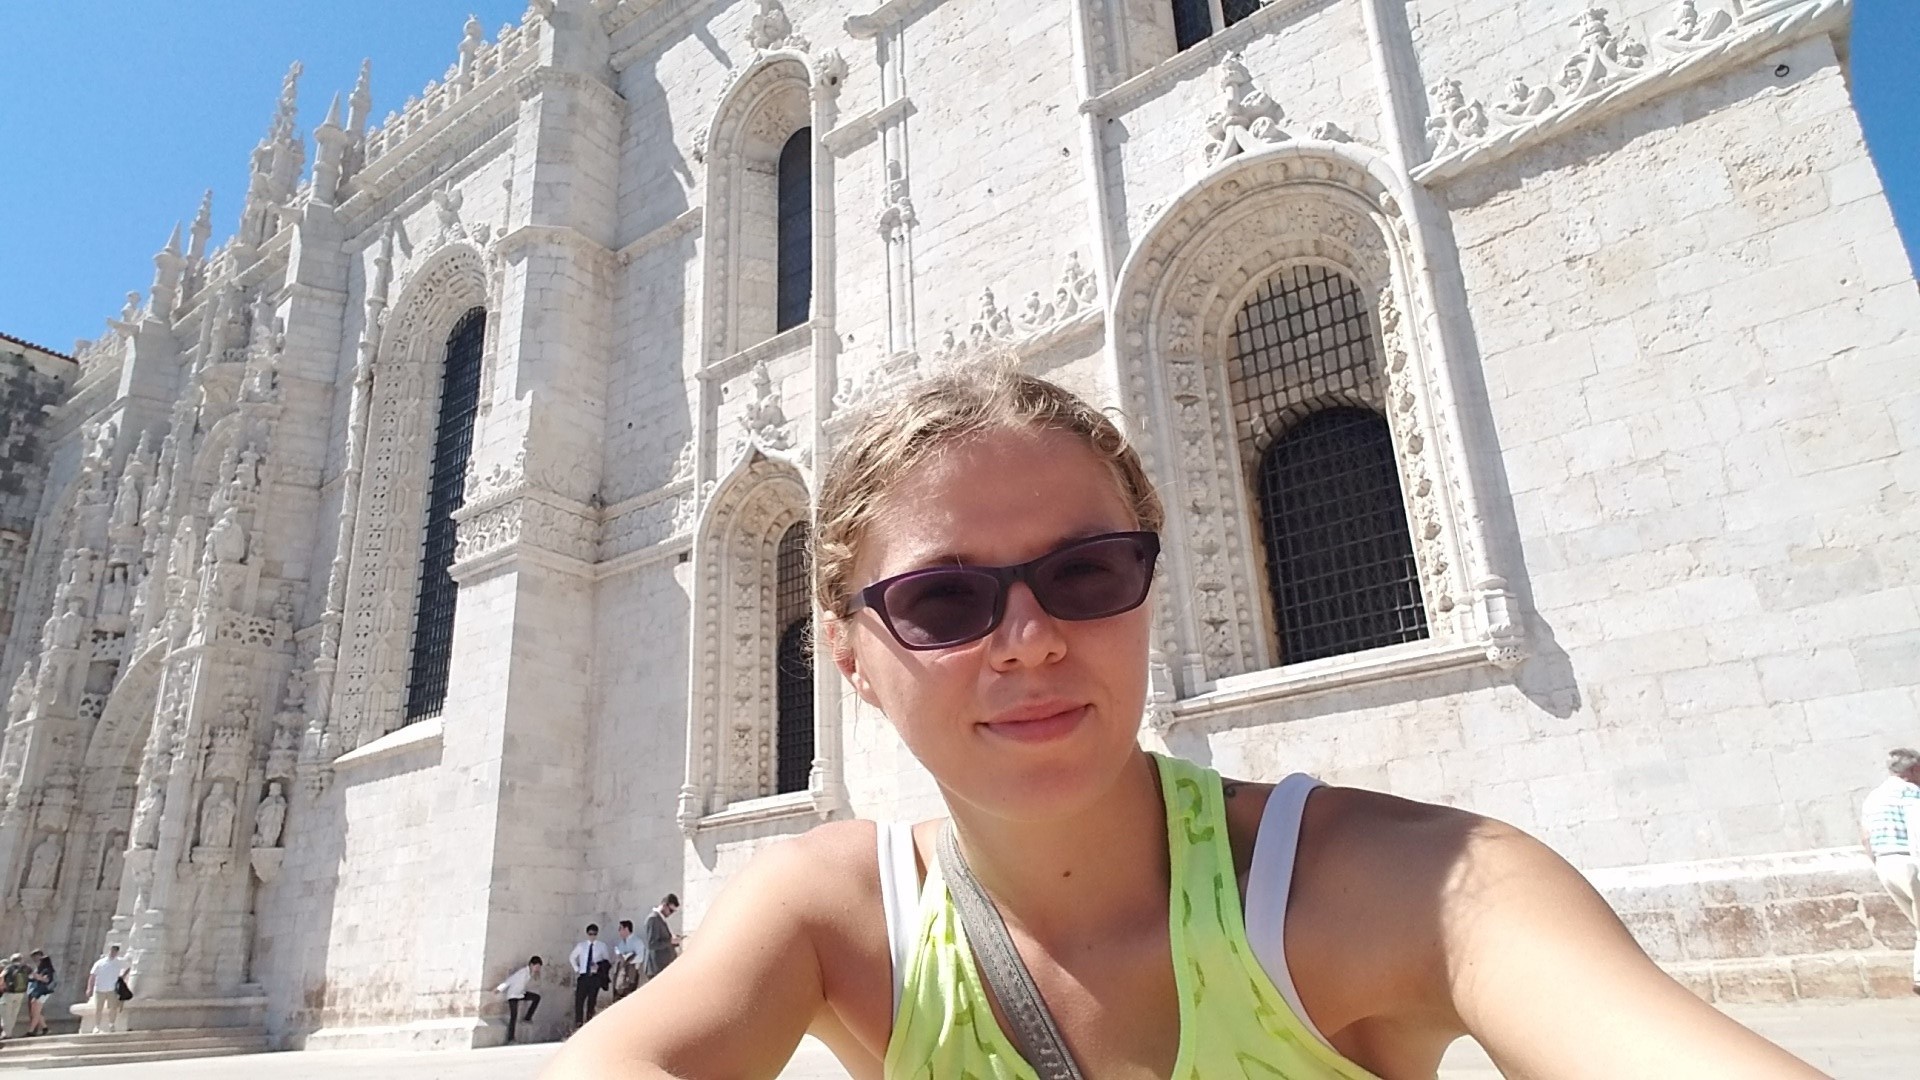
[[1045, 727]]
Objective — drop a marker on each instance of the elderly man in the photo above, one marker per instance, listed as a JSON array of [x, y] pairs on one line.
[[1888, 824]]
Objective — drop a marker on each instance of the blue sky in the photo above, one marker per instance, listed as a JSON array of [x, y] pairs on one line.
[[121, 112]]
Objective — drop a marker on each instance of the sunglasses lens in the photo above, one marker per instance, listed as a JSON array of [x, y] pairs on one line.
[[1096, 579], [941, 607]]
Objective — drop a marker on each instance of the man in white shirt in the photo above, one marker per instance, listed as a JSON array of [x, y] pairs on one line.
[[515, 988], [101, 988], [587, 974], [626, 960], [1887, 825]]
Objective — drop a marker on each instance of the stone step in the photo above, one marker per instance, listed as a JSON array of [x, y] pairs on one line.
[[44, 1043], [135, 1054]]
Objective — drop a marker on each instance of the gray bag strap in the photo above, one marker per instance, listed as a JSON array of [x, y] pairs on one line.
[[1034, 1033]]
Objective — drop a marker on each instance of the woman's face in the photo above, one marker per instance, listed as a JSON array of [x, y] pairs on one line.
[[1038, 718]]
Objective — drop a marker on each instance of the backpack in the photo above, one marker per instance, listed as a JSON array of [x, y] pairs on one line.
[[16, 979]]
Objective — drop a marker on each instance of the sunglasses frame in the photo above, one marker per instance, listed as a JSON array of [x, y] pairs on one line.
[[874, 595]]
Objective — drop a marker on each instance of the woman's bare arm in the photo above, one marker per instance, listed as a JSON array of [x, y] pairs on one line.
[[1544, 975], [738, 1001]]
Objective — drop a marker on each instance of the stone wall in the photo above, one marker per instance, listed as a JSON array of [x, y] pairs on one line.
[[31, 380]]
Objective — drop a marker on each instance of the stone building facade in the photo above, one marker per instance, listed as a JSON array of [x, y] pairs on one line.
[[417, 575]]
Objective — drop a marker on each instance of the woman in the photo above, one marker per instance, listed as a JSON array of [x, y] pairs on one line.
[[40, 984], [985, 546]]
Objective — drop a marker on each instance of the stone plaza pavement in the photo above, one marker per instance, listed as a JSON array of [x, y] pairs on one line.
[[1868, 1040]]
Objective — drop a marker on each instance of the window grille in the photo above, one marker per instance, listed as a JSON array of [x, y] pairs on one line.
[[1341, 573], [433, 612], [795, 232], [793, 733], [1192, 23], [1235, 10]]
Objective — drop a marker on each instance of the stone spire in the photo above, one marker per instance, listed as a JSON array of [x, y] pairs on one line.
[[202, 229], [360, 105], [289, 152], [168, 269], [330, 156]]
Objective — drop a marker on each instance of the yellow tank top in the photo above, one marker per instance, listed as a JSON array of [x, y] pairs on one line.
[[1233, 1020]]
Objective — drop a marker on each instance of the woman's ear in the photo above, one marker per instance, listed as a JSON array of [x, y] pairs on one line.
[[839, 635]]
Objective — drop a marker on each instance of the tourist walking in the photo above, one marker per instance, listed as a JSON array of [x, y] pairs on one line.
[[662, 943], [104, 987], [587, 973], [626, 960], [40, 985], [1889, 822], [515, 989], [16, 978]]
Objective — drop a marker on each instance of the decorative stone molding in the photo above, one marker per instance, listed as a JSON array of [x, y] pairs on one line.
[[1183, 65], [376, 634], [1246, 119], [730, 746], [857, 132], [532, 524], [1040, 324], [887, 15], [1612, 71], [1303, 201], [687, 223]]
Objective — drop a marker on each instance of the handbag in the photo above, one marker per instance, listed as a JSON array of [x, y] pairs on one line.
[[121, 990], [1034, 1032]]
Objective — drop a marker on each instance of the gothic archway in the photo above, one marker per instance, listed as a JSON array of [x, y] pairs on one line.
[[1334, 205]]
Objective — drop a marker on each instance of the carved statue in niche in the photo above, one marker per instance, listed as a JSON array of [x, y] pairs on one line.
[[21, 699], [81, 574], [113, 599], [216, 818], [44, 867], [227, 543], [146, 813], [63, 633], [100, 439], [270, 818], [126, 502], [182, 558], [112, 858]]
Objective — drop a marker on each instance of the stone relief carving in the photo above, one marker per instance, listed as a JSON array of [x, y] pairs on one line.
[[765, 419], [1247, 119], [1611, 69], [896, 211], [1075, 298], [771, 29]]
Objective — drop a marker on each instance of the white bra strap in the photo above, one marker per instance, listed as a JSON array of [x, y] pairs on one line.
[[899, 897], [1270, 881]]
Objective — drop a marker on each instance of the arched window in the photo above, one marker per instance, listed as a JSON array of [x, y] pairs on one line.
[[1308, 395], [795, 228], [793, 732], [453, 444], [1194, 20]]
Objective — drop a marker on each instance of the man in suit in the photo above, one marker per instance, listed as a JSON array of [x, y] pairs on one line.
[[587, 972]]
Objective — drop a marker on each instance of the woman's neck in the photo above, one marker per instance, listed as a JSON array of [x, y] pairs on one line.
[[1099, 871]]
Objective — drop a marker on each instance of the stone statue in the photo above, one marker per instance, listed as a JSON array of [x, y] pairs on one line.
[[1246, 117], [21, 699], [126, 502], [111, 860], [270, 817], [44, 868], [146, 814], [216, 818], [228, 540], [113, 599], [182, 558]]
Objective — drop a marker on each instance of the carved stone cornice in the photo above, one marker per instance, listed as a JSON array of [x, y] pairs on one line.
[[542, 79], [598, 255], [525, 524], [687, 223], [861, 130], [1610, 73], [887, 15]]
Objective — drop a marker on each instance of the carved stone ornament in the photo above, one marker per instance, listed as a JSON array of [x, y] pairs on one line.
[[1611, 69], [1075, 297], [1245, 118], [771, 29], [765, 419], [43, 866]]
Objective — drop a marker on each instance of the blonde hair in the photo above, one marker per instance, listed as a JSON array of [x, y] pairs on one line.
[[930, 415]]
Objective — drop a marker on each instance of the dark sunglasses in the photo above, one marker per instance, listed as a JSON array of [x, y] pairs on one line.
[[944, 606]]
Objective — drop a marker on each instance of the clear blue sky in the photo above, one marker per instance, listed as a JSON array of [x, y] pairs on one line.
[[119, 113]]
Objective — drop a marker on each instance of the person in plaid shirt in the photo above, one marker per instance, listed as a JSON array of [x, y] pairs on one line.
[[1887, 825]]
